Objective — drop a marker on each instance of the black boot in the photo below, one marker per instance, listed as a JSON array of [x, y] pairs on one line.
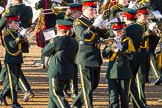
[[158, 81], [27, 95], [3, 100], [16, 105]]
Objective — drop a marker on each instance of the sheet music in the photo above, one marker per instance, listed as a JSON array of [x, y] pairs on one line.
[[157, 14], [49, 34]]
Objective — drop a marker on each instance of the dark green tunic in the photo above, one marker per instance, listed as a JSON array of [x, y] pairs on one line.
[[119, 73], [13, 60], [61, 68], [64, 50]]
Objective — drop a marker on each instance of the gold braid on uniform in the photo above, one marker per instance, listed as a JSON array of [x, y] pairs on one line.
[[130, 44], [63, 1], [93, 34], [19, 44], [130, 48]]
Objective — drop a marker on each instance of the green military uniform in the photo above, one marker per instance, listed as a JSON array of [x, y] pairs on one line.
[[119, 72], [26, 21], [135, 33], [88, 59], [64, 49], [13, 60], [144, 60], [73, 85]]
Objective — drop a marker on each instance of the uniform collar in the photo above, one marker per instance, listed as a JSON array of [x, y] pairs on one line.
[[130, 24], [13, 30], [18, 4], [87, 18], [142, 24]]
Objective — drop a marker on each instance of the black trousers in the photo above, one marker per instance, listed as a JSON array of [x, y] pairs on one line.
[[119, 89]]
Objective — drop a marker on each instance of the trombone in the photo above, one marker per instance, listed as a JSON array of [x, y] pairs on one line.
[[56, 9]]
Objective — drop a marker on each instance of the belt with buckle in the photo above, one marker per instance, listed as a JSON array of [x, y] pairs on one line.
[[97, 45]]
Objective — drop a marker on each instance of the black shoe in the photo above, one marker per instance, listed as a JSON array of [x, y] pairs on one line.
[[73, 95], [66, 94], [78, 106], [158, 81], [16, 105], [27, 96], [3, 100]]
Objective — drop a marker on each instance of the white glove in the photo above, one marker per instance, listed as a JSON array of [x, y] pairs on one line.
[[131, 4], [119, 46], [22, 31], [116, 50], [72, 31], [98, 21], [1, 9], [151, 25], [117, 39], [104, 23]]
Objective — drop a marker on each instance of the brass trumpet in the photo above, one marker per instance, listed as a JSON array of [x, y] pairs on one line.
[[110, 41], [156, 29]]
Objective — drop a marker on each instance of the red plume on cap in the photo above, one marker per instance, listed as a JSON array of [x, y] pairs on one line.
[[16, 18], [118, 26], [65, 27], [143, 11], [89, 3], [76, 8], [128, 15]]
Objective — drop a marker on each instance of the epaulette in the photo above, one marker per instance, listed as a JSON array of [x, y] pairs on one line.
[[76, 22], [5, 33], [125, 39], [114, 7], [84, 21], [6, 12]]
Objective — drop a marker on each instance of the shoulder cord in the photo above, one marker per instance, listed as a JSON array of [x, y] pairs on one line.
[[19, 46]]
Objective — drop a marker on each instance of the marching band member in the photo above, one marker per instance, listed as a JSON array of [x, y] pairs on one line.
[[13, 60], [134, 32], [64, 49], [89, 57], [119, 71], [73, 13], [142, 52], [20, 9]]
